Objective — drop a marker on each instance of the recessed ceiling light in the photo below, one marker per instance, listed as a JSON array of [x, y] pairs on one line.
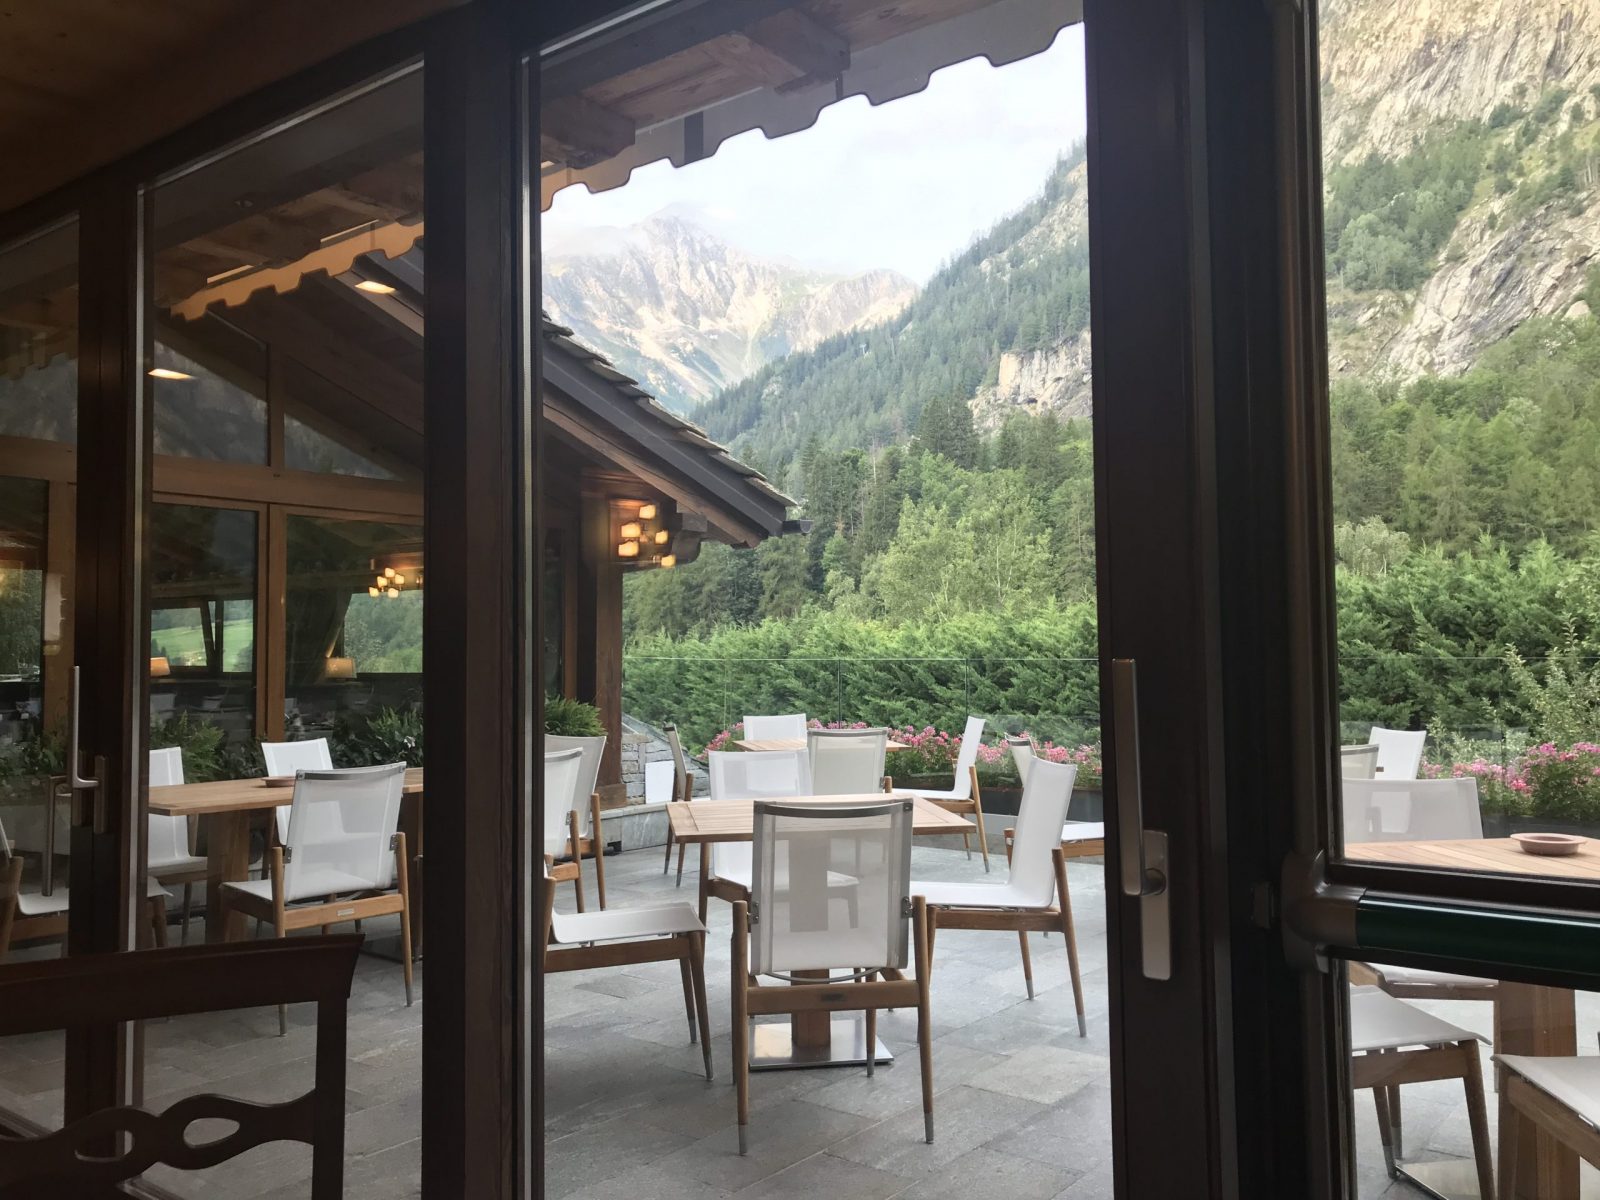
[[168, 373], [376, 288]]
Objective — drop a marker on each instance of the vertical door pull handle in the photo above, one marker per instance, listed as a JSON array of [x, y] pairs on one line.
[[1142, 853]]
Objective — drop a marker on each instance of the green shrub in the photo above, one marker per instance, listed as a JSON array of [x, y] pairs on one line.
[[571, 718], [387, 736], [200, 741]]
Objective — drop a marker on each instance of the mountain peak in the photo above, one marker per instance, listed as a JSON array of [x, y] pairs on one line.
[[673, 304]]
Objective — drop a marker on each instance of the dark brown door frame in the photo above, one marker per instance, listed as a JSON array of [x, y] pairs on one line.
[[480, 1063], [110, 622]]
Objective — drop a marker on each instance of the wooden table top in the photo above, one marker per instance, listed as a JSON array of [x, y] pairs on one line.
[[797, 744], [733, 820], [237, 795], [1501, 855]]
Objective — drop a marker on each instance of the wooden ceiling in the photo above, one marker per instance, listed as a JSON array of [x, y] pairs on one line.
[[83, 82]]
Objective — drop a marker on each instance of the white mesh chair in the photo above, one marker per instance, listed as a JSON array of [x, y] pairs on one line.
[[682, 792], [1079, 839], [1399, 751], [1411, 810], [561, 772], [170, 859], [1388, 810], [27, 914], [1038, 877], [964, 796], [286, 758], [789, 727], [1560, 1096], [622, 937], [1358, 762], [1392, 1043], [847, 762], [583, 808], [746, 775], [798, 929], [343, 854]]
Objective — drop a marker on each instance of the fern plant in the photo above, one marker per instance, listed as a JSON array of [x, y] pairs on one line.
[[571, 718]]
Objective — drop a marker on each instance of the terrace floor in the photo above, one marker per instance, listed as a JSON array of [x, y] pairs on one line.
[[1022, 1105]]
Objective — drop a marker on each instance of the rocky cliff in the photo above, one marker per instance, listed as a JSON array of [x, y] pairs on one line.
[[1516, 83], [689, 315]]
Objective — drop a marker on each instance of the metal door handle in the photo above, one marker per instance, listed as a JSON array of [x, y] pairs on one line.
[[76, 782], [1142, 852]]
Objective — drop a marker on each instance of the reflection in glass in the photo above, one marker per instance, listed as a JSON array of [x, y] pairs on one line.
[[210, 397], [353, 626], [203, 634]]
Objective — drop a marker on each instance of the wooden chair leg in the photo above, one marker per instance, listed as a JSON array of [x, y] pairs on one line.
[[575, 848], [966, 842], [682, 846], [686, 970], [922, 930], [933, 928], [697, 950], [158, 920], [705, 881], [741, 1018], [402, 874], [1510, 1131], [666, 862], [188, 909], [1027, 961], [1380, 1101], [1478, 1118], [1069, 934], [977, 817], [598, 842], [1397, 1127]]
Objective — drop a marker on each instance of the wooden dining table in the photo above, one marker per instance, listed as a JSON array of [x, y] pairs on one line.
[[808, 1039], [759, 744], [1527, 1019], [225, 808]]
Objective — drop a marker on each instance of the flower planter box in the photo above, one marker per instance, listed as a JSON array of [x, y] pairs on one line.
[[1088, 804], [1499, 825]]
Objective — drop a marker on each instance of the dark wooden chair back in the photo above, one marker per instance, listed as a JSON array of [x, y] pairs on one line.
[[88, 1157]]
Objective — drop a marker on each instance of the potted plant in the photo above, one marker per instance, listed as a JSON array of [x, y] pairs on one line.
[[571, 718]]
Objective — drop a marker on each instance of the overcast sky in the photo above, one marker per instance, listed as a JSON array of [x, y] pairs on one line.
[[905, 185]]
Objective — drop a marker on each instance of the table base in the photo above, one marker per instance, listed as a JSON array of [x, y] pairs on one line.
[[772, 1046]]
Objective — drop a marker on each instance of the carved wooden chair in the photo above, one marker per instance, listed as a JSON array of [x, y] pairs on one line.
[[107, 989]]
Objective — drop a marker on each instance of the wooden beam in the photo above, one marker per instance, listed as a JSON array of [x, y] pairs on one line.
[[803, 42], [200, 478], [264, 239], [581, 132]]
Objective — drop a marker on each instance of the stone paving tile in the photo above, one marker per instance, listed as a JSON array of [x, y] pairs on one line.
[[983, 1174], [964, 1119], [1046, 1074], [826, 1175]]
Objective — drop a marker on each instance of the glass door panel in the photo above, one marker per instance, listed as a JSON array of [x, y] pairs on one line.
[[38, 435]]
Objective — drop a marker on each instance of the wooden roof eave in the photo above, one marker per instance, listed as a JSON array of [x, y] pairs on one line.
[[571, 424]]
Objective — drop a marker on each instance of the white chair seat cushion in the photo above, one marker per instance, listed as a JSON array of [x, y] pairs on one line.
[[1083, 831], [186, 862], [977, 895], [1574, 1082], [314, 885], [1378, 1021], [613, 924], [1417, 977], [34, 904]]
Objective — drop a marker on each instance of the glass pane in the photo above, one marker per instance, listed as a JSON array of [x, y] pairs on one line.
[[203, 637], [914, 369], [270, 360], [210, 398], [353, 647], [1464, 443], [1435, 1105], [38, 406]]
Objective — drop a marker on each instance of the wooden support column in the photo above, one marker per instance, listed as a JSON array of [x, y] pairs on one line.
[[599, 632]]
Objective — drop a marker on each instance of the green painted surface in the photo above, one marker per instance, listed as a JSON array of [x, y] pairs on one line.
[[1540, 941]]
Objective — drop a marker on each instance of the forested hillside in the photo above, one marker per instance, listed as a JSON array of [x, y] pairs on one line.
[[1022, 286]]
